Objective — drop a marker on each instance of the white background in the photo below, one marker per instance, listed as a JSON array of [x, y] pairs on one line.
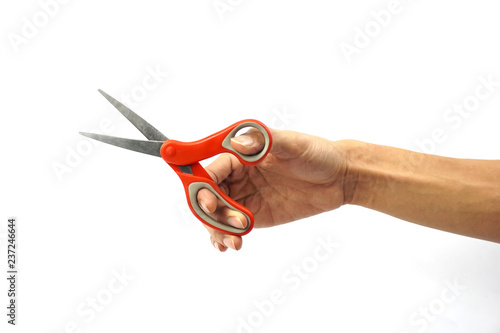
[[114, 211]]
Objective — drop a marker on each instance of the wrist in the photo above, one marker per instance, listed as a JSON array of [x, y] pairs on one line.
[[357, 178]]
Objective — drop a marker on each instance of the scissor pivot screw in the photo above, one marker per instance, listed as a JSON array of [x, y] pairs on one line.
[[170, 151]]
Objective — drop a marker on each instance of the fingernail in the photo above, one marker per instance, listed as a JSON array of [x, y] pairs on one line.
[[244, 140], [204, 207], [229, 242], [216, 245], [234, 221]]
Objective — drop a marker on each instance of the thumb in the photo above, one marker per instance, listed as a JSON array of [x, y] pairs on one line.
[[249, 143]]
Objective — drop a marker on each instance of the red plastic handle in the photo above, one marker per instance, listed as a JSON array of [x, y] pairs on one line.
[[200, 179], [186, 153], [177, 154]]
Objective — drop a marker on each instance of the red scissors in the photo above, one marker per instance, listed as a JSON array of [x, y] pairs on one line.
[[184, 159]]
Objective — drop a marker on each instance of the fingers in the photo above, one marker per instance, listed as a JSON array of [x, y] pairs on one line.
[[249, 143], [217, 210], [207, 201], [222, 241], [217, 245], [219, 170], [286, 144], [222, 167]]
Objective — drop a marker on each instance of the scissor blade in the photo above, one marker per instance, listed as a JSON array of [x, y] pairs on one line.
[[146, 128], [141, 146]]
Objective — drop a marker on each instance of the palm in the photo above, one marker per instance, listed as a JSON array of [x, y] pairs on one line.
[[304, 180]]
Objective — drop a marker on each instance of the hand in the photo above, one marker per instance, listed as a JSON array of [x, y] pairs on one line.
[[302, 175]]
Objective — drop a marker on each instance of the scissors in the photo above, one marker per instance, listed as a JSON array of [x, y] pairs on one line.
[[184, 158]]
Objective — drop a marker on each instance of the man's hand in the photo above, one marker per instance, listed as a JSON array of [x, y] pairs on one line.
[[301, 176]]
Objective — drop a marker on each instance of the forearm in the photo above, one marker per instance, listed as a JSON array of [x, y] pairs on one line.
[[456, 195]]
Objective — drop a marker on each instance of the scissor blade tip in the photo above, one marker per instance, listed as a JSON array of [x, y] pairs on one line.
[[85, 134], [109, 98]]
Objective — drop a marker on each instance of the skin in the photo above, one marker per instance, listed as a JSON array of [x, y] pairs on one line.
[[304, 175]]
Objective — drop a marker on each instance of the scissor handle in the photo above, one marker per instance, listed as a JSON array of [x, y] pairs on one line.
[[199, 180], [186, 153], [178, 154]]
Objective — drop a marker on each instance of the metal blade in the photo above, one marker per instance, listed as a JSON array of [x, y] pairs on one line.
[[186, 169], [146, 128], [141, 146]]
